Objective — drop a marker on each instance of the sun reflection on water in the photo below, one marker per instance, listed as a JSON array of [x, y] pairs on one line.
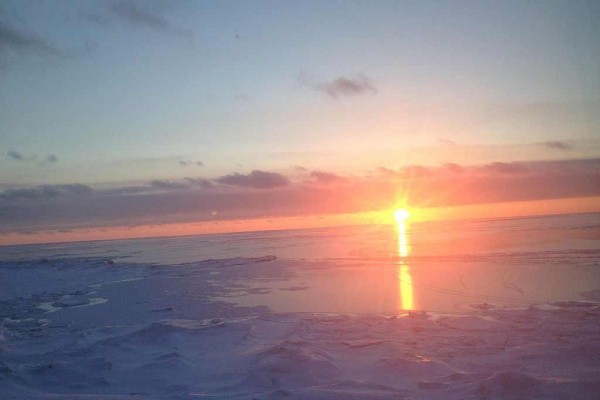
[[405, 285]]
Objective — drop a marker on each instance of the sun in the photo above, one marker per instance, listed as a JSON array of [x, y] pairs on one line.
[[401, 215]]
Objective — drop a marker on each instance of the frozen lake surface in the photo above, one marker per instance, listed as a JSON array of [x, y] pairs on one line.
[[454, 310]]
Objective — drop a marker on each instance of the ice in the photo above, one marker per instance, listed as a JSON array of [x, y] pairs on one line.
[[522, 325], [487, 353]]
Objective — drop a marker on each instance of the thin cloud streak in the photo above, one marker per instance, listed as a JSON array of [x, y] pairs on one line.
[[326, 177], [187, 163], [94, 18], [133, 13], [164, 184], [45, 192], [51, 158], [17, 156], [25, 43], [200, 182], [256, 179], [565, 146], [343, 86]]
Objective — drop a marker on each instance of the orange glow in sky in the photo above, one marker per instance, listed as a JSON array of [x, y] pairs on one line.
[[490, 210]]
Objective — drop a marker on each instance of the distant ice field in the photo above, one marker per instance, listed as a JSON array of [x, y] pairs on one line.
[[444, 266], [456, 310]]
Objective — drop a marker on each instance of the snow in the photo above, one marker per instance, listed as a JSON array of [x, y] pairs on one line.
[[86, 329]]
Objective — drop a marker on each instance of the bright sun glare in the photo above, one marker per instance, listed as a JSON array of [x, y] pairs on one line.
[[401, 215]]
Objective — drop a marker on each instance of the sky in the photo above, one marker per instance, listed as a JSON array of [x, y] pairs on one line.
[[149, 115]]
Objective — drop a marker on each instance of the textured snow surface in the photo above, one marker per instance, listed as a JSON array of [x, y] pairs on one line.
[[88, 329]]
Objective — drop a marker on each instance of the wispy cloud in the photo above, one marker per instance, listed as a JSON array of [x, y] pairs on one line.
[[131, 11], [165, 184], [161, 186], [183, 184], [416, 172], [505, 168], [453, 168], [95, 18], [15, 155], [446, 142], [134, 13], [557, 145], [22, 42], [50, 158], [452, 184], [187, 163], [200, 182], [326, 177], [45, 192], [256, 179], [343, 86]]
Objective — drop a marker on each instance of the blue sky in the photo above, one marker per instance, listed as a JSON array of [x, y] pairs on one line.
[[113, 93]]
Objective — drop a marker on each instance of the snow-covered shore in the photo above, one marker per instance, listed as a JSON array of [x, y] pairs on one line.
[[87, 329]]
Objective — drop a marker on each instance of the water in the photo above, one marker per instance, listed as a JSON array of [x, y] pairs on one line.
[[434, 266]]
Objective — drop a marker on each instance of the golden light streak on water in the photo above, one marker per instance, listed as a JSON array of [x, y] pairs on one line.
[[406, 288], [405, 284]]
